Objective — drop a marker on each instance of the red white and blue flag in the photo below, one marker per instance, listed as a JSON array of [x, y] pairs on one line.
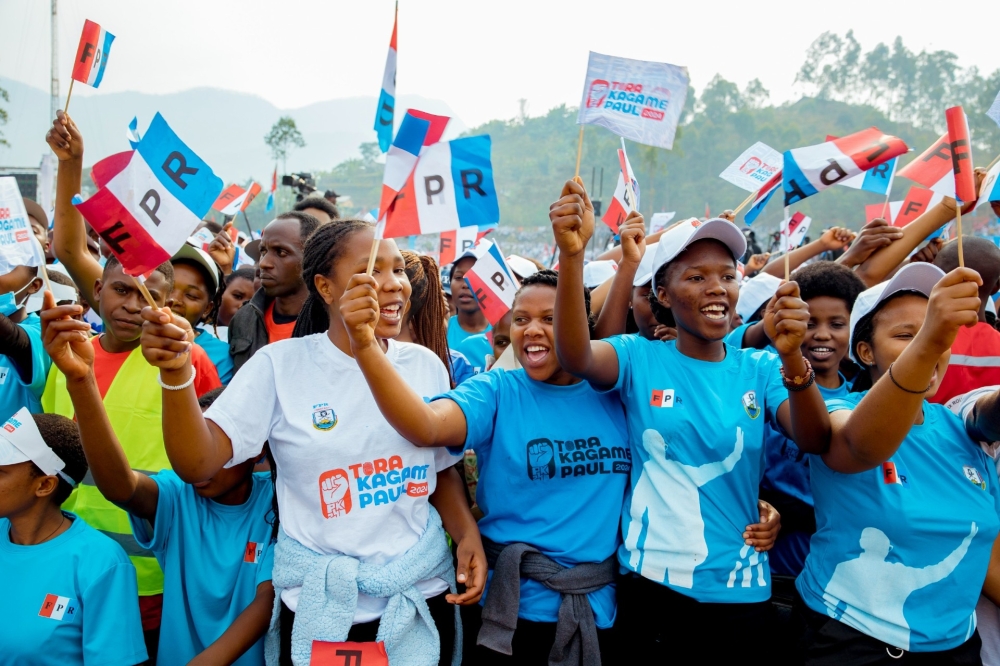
[[626, 196], [764, 195], [274, 188], [92, 54], [492, 281], [990, 189], [793, 231], [151, 199], [451, 187], [453, 244], [387, 98], [235, 199], [417, 131], [810, 169]]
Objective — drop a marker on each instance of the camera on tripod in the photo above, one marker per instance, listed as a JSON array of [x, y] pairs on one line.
[[305, 183]]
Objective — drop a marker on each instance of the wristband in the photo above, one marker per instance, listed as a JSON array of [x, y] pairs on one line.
[[179, 387], [799, 383]]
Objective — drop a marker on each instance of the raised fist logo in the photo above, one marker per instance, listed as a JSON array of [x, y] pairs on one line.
[[335, 493], [541, 460]]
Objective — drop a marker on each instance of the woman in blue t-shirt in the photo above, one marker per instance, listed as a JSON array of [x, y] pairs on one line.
[[906, 500], [695, 410]]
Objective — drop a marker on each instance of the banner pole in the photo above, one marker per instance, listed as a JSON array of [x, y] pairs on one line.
[[743, 205], [579, 152], [787, 244], [69, 95], [958, 230]]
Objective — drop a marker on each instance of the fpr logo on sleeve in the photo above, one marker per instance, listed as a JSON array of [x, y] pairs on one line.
[[56, 608]]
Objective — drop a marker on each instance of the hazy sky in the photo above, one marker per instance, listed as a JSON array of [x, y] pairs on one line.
[[480, 58]]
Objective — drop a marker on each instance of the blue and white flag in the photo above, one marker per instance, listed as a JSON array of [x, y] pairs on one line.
[[387, 98]]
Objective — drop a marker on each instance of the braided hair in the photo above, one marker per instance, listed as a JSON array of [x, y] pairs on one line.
[[550, 278], [428, 309], [321, 250]]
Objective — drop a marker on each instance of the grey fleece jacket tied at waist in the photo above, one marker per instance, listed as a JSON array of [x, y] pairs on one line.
[[576, 632]]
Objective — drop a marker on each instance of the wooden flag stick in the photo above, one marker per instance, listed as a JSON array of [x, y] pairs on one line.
[[145, 292], [579, 153], [372, 256], [743, 205], [993, 163], [787, 243], [885, 206], [958, 230], [786, 266], [69, 95]]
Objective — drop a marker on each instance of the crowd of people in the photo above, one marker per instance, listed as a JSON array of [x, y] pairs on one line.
[[674, 452]]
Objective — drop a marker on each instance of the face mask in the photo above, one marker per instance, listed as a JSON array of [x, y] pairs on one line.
[[8, 304]]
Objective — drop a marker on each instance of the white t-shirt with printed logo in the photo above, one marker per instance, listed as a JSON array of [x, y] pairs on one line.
[[347, 481]]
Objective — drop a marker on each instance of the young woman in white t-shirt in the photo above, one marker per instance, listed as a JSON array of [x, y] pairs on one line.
[[347, 484]]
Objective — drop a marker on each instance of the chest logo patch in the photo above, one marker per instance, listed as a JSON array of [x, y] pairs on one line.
[[750, 404], [55, 607], [662, 398], [323, 417], [894, 474], [253, 552], [974, 477]]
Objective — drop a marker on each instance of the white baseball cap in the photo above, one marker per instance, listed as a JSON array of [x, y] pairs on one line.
[[675, 241], [596, 273], [755, 292], [202, 258], [20, 442], [919, 277], [644, 274], [521, 266]]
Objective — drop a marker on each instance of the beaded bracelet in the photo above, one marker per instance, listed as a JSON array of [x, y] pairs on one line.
[[179, 387], [799, 383]]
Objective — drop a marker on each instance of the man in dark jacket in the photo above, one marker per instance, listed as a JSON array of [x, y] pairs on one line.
[[270, 315]]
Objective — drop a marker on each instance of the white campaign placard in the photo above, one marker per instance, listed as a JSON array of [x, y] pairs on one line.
[[754, 167], [18, 246], [636, 99]]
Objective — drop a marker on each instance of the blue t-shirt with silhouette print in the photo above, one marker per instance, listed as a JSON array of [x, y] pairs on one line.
[[901, 551]]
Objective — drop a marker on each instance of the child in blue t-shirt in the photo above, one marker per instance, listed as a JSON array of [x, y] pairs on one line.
[[829, 290], [906, 499], [212, 539], [695, 410], [68, 591]]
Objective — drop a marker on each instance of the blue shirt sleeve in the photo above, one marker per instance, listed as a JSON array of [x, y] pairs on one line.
[[624, 346], [170, 488], [461, 369], [112, 628], [478, 398], [40, 361], [775, 391], [266, 564], [848, 402], [735, 337], [475, 348]]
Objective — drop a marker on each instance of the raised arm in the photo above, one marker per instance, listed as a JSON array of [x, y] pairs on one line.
[[983, 424], [833, 238], [197, 448], [871, 433], [67, 342], [572, 219], [69, 232], [440, 423], [614, 313], [874, 236], [803, 415]]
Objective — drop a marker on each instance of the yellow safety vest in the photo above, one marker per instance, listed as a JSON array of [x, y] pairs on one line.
[[134, 406]]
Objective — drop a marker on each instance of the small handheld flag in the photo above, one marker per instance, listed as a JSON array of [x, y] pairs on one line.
[[133, 133], [235, 199], [626, 196], [91, 57], [793, 231], [764, 195], [961, 154], [274, 188], [933, 168], [387, 98], [414, 133], [994, 110], [810, 169], [492, 281], [148, 205], [754, 167]]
